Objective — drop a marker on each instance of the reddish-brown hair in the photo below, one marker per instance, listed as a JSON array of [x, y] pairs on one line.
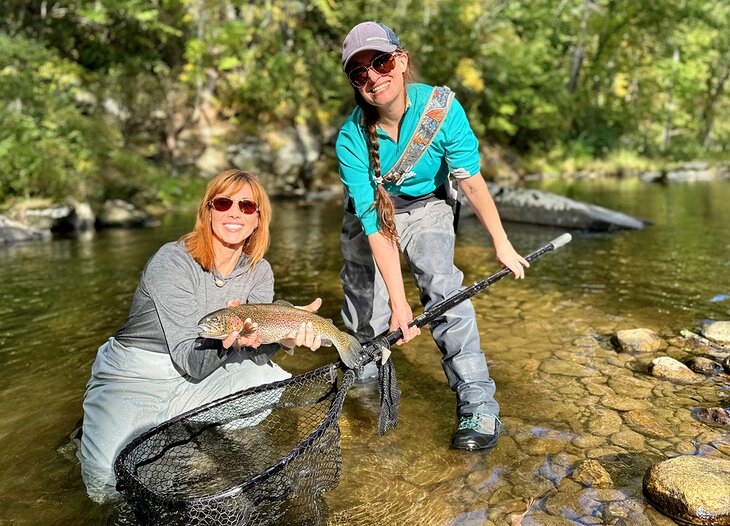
[[199, 242]]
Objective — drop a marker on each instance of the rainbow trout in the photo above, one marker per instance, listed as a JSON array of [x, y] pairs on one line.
[[275, 321]]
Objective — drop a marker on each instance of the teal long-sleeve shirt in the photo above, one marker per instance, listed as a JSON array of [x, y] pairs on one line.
[[454, 150]]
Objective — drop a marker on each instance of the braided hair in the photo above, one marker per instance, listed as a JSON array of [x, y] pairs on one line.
[[383, 200]]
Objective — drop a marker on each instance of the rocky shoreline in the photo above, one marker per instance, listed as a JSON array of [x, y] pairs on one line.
[[38, 220], [588, 430]]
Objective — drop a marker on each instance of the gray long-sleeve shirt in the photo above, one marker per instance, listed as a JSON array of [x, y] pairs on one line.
[[175, 292]]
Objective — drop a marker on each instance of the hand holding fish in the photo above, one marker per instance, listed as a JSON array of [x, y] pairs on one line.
[[250, 338], [283, 323], [305, 336]]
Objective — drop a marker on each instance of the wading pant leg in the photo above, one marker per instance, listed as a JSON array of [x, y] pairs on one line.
[[365, 310], [427, 239]]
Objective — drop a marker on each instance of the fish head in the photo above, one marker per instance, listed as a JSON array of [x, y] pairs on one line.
[[219, 324]]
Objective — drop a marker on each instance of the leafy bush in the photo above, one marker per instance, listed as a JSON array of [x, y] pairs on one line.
[[49, 144]]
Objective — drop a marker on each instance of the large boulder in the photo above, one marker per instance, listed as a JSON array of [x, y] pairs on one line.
[[14, 232], [68, 216], [524, 205], [116, 213], [690, 488]]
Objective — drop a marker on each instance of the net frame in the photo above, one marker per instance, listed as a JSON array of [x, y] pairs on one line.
[[288, 490]]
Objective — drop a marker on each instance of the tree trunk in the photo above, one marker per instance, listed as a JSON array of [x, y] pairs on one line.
[[580, 50], [670, 104], [710, 109]]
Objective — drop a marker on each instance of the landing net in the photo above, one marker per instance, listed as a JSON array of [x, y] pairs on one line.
[[263, 456]]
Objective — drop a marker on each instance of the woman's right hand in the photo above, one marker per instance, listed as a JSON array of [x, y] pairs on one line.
[[250, 339], [401, 317]]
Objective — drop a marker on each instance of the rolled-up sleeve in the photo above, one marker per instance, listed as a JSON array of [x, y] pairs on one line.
[[461, 147]]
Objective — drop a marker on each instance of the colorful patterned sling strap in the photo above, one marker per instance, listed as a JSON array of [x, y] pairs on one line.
[[428, 126]]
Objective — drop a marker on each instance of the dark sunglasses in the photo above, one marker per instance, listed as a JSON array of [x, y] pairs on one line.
[[222, 204], [382, 64]]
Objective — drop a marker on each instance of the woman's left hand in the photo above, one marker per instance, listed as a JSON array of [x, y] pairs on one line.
[[305, 335], [511, 259]]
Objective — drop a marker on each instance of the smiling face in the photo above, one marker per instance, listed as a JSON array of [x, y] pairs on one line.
[[232, 227], [381, 90]]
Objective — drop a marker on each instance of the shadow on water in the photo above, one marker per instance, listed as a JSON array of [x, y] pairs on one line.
[[566, 395]]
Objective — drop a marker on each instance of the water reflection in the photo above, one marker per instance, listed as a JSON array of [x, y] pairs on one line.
[[566, 395]]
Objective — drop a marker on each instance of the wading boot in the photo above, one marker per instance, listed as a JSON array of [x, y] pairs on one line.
[[479, 431]]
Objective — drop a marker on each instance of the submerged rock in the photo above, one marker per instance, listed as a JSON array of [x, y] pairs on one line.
[[718, 332], [702, 365], [691, 341], [639, 341], [716, 416], [691, 488], [591, 474], [673, 370], [524, 205], [647, 424]]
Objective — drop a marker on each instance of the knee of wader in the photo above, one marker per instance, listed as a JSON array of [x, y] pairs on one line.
[[466, 368]]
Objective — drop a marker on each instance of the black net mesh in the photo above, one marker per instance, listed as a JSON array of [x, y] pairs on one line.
[[261, 456]]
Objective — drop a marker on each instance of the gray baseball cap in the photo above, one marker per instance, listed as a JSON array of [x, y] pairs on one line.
[[367, 36]]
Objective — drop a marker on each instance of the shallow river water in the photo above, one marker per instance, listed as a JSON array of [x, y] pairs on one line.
[[566, 394]]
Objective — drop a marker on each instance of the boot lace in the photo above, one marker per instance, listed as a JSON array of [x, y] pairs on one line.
[[472, 422]]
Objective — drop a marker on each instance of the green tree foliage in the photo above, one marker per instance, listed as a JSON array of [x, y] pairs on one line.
[[269, 61], [49, 145], [559, 78]]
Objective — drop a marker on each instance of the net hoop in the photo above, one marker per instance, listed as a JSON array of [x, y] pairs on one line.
[[127, 475]]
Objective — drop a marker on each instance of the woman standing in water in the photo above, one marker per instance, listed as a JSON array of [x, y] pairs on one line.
[[395, 153], [156, 366]]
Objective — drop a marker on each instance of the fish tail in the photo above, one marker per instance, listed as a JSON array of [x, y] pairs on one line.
[[352, 353]]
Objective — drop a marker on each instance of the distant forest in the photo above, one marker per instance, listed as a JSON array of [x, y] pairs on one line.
[[93, 94]]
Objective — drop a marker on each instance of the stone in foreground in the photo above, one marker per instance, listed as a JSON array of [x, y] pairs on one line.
[[692, 489]]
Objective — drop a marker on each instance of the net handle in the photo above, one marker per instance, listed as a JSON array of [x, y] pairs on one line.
[[387, 339]]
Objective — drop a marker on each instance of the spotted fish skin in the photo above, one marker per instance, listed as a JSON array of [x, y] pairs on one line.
[[274, 322]]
